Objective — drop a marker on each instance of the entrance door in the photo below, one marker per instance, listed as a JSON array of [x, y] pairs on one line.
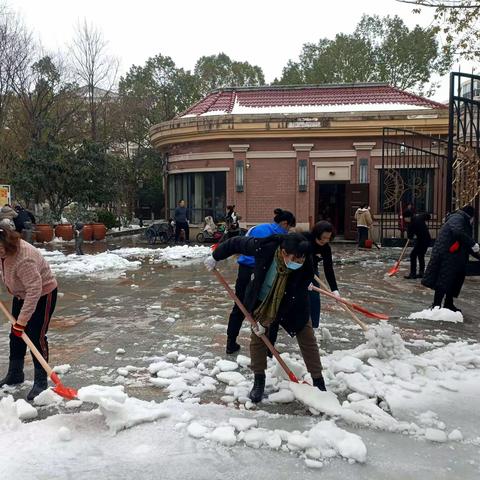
[[330, 203], [356, 194]]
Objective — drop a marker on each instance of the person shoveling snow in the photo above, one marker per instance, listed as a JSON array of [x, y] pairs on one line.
[[278, 294]]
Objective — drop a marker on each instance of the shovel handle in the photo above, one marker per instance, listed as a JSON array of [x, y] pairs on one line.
[[27, 340], [345, 307], [249, 317]]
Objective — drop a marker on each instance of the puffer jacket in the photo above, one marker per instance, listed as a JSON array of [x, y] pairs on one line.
[[446, 269], [363, 217]]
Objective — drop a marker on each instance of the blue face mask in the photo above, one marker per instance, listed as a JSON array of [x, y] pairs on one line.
[[294, 265]]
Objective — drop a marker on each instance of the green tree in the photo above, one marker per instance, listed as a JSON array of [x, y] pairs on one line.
[[216, 71], [457, 21], [379, 50]]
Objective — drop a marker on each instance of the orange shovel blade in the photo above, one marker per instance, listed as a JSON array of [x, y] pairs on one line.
[[393, 270], [61, 389]]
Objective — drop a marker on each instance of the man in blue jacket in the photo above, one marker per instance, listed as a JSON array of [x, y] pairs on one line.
[[282, 221]]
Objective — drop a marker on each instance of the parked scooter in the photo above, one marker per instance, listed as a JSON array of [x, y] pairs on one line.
[[211, 232]]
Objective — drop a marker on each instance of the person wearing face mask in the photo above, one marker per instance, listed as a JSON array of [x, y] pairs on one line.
[[277, 294], [282, 222], [28, 277], [446, 269]]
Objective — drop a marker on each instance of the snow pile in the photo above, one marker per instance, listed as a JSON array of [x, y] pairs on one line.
[[120, 410], [105, 264], [439, 315], [383, 339], [9, 418], [185, 377], [324, 440], [175, 254]]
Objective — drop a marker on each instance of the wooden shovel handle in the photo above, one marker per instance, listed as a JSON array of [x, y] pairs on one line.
[[403, 252], [27, 340], [363, 326], [249, 317]]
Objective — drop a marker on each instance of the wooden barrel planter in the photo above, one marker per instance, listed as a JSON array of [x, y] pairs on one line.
[[88, 232], [99, 231], [43, 232], [64, 231]]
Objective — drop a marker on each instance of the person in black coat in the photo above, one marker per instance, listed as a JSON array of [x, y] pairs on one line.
[[278, 293], [24, 219], [417, 227], [447, 267]]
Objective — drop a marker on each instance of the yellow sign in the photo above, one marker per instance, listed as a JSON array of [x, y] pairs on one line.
[[4, 195]]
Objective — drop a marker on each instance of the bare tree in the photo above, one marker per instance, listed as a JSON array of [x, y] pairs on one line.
[[95, 69], [16, 47]]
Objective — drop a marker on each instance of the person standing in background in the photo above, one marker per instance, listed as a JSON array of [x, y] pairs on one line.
[[181, 221]]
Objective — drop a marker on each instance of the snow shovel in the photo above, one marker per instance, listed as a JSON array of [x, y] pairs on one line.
[[394, 270], [249, 317], [358, 308], [345, 307], [59, 389]]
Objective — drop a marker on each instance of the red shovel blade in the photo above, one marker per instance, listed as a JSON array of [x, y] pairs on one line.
[[61, 389], [368, 313], [393, 270]]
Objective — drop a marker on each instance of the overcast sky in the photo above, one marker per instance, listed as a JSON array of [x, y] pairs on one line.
[[263, 32]]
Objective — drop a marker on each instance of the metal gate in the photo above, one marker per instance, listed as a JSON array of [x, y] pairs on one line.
[[463, 142], [414, 173]]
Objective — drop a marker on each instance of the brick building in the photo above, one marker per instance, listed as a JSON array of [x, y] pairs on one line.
[[315, 150]]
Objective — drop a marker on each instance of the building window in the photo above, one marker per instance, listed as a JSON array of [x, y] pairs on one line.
[[239, 176], [204, 192], [401, 186], [363, 171], [302, 175]]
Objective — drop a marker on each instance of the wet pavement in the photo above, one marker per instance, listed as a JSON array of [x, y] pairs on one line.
[[162, 307]]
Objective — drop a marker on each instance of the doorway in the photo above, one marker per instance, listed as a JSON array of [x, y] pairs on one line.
[[330, 204]]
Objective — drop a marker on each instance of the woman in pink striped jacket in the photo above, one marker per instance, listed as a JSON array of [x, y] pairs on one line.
[[28, 277]]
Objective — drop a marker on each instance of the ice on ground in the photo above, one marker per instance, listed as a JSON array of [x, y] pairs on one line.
[[9, 418], [326, 402], [435, 435], [47, 397], [296, 367], [62, 369], [282, 396], [64, 434], [231, 378], [243, 361], [25, 411], [227, 365], [120, 410], [242, 424], [386, 342], [224, 435], [438, 314]]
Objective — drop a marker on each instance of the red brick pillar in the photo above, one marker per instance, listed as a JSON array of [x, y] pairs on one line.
[[302, 195], [240, 199]]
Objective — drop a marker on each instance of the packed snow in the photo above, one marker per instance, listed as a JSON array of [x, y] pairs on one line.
[[439, 315]]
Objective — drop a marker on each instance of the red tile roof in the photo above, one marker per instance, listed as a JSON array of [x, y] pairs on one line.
[[224, 100]]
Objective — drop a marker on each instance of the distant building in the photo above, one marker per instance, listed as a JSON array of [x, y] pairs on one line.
[[315, 150]]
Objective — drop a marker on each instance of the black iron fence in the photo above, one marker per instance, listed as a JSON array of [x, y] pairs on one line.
[[413, 177]]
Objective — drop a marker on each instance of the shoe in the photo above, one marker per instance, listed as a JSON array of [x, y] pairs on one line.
[[40, 383], [232, 346], [411, 276], [256, 393], [452, 307], [319, 383], [14, 374]]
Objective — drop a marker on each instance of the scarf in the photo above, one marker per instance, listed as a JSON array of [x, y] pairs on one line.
[[266, 312]]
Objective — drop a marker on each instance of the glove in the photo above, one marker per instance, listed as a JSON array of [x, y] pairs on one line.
[[336, 293], [476, 248], [259, 329], [210, 263], [310, 287], [18, 329]]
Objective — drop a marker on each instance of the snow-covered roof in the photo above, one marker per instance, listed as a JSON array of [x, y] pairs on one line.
[[367, 97]]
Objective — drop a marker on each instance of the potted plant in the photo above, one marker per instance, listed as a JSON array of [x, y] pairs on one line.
[[44, 228], [79, 213]]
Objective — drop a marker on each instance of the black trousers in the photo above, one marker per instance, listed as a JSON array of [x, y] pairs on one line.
[[419, 252], [236, 316], [362, 236], [37, 327], [178, 228]]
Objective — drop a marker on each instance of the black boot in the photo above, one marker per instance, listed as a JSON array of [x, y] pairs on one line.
[[40, 383], [319, 383], [411, 276], [232, 345], [452, 307], [420, 274], [15, 373], [256, 393]]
